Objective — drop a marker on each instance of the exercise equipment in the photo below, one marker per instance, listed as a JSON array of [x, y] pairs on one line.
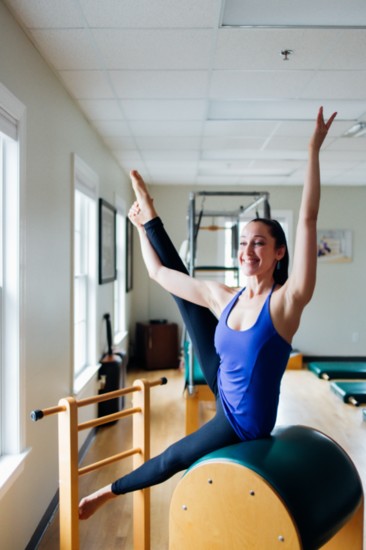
[[352, 392], [196, 389], [68, 428], [296, 489], [329, 370]]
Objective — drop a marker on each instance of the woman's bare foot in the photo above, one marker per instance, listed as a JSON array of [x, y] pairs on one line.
[[145, 202], [90, 504]]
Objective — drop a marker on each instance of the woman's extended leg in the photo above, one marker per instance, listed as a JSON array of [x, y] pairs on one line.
[[199, 321], [215, 434]]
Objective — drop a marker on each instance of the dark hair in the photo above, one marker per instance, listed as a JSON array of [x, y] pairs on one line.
[[280, 274]]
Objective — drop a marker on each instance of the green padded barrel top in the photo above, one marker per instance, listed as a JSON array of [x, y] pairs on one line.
[[338, 369], [347, 390], [313, 475]]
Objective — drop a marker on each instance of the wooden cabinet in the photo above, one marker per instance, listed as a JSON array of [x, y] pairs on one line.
[[156, 345]]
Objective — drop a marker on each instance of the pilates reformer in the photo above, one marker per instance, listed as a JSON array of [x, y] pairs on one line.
[[68, 428], [196, 387], [296, 489]]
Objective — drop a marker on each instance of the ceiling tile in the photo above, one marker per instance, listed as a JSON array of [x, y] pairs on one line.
[[283, 110], [38, 14], [281, 143], [155, 109], [154, 49], [130, 155], [101, 109], [348, 144], [159, 84], [241, 128], [231, 143], [168, 143], [170, 155], [258, 84], [112, 127], [67, 49], [337, 84], [120, 143], [261, 48], [87, 84], [348, 53], [178, 128]]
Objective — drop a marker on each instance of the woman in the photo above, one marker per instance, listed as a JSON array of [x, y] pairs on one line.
[[253, 334]]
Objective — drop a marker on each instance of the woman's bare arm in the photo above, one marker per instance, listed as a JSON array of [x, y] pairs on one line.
[[301, 283]]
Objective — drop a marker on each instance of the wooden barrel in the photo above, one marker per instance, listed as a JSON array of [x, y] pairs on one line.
[[297, 489]]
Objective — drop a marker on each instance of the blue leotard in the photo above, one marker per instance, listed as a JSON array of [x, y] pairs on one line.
[[252, 365]]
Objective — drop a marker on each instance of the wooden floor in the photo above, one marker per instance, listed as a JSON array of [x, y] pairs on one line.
[[305, 400]]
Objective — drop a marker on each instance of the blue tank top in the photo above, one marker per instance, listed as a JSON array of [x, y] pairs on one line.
[[252, 363]]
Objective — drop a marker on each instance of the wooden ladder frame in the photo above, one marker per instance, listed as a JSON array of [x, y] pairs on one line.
[[69, 471]]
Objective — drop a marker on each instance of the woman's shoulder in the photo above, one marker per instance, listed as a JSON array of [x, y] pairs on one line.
[[221, 295]]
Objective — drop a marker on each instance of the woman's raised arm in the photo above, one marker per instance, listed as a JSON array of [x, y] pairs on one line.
[[301, 282]]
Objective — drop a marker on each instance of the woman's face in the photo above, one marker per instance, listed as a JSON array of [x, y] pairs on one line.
[[257, 250]]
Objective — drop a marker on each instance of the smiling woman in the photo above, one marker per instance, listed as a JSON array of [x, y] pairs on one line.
[[244, 347]]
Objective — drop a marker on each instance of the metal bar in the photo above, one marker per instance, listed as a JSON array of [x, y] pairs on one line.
[[230, 193]]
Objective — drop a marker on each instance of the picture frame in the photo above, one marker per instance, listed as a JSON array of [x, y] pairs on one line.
[[334, 245], [107, 242], [129, 255]]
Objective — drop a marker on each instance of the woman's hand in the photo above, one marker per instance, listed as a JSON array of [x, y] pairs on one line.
[[321, 130], [135, 215]]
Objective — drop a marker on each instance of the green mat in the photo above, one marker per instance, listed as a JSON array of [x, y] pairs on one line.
[[351, 392], [338, 369]]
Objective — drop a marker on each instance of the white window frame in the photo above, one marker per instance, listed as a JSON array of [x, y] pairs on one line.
[[119, 318], [86, 181], [13, 414]]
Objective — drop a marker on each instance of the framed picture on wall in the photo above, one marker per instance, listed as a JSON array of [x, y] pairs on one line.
[[129, 255], [334, 245], [107, 242]]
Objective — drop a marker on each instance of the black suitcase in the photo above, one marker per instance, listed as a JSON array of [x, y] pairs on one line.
[[110, 375]]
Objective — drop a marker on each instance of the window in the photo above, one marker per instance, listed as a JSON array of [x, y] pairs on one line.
[[85, 273], [12, 414], [120, 282]]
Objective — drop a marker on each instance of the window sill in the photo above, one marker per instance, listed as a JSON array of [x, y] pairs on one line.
[[11, 466], [84, 378]]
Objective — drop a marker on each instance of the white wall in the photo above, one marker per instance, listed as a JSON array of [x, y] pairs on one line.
[[337, 310], [55, 130]]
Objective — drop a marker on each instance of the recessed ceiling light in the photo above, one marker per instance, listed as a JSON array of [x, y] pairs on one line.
[[357, 130]]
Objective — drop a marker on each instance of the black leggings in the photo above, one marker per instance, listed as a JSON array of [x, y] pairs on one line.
[[216, 433]]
